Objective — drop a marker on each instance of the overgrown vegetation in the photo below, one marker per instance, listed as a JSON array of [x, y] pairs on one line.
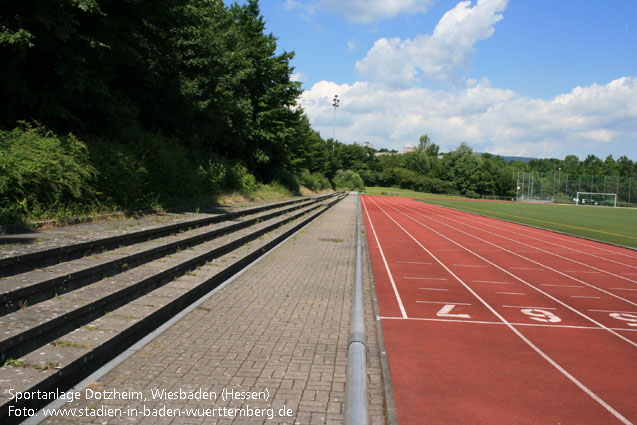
[[135, 106], [146, 105]]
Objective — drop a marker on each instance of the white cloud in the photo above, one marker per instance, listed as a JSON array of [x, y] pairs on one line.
[[298, 76], [364, 11], [439, 56], [597, 119], [361, 11]]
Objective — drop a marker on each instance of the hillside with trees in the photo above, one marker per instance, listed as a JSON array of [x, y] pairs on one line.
[[142, 105]]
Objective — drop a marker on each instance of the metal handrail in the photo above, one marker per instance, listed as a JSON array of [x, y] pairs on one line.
[[356, 411]]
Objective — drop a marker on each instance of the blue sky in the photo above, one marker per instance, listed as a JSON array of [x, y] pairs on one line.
[[541, 78]]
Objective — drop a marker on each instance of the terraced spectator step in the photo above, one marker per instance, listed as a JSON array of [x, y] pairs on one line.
[[54, 344], [21, 256], [28, 288]]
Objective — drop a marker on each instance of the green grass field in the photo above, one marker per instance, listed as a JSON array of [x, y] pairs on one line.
[[378, 190], [614, 225]]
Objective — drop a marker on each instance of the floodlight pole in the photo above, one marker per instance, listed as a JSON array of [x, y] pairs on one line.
[[335, 102]]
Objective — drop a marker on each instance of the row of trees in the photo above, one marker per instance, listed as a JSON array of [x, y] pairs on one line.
[[132, 105], [461, 171], [168, 101]]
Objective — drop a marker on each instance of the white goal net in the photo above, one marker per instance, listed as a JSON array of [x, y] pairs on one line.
[[596, 199]]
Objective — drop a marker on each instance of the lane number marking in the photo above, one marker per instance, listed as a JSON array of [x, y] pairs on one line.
[[446, 312], [541, 315], [626, 317]]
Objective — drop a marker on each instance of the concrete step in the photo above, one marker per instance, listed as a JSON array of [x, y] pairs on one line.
[[61, 344], [28, 288], [24, 257]]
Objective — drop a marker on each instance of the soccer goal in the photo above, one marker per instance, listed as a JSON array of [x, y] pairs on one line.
[[596, 199]]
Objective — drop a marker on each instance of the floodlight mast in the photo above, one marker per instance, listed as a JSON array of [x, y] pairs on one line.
[[335, 103]]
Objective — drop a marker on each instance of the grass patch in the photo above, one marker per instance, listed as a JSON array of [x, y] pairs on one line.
[[67, 343], [394, 191], [613, 225]]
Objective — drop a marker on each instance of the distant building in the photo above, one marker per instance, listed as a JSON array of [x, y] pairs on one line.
[[382, 153], [409, 149], [366, 145]]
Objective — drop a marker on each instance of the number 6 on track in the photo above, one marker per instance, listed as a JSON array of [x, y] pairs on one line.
[[541, 315]]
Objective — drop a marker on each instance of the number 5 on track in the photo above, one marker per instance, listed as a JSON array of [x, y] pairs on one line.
[[446, 312]]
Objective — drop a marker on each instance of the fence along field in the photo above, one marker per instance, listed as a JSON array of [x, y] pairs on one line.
[[563, 188], [605, 224]]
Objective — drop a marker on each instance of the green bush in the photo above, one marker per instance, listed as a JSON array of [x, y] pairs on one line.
[[41, 171], [213, 175], [315, 181], [238, 178], [348, 180]]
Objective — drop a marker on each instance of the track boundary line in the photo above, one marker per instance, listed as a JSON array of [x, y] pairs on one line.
[[517, 332], [549, 252], [523, 257], [391, 277], [483, 322], [513, 275], [547, 230]]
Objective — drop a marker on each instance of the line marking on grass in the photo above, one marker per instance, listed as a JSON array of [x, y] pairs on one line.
[[541, 221]]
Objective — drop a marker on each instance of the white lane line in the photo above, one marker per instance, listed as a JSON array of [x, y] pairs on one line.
[[589, 266], [411, 262], [561, 286], [433, 289], [574, 310], [494, 282], [424, 278], [391, 278], [582, 296], [522, 228], [524, 306], [511, 327], [482, 322], [628, 274], [442, 302], [510, 293], [581, 271], [614, 311], [521, 256], [526, 268], [624, 289]]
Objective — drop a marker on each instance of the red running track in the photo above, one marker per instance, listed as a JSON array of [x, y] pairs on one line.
[[489, 322]]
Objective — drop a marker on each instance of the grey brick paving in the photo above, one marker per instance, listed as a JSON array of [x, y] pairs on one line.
[[281, 328]]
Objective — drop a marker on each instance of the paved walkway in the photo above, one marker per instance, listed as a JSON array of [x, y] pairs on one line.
[[278, 333]]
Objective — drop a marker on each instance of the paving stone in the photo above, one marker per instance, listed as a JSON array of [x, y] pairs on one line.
[[283, 325]]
